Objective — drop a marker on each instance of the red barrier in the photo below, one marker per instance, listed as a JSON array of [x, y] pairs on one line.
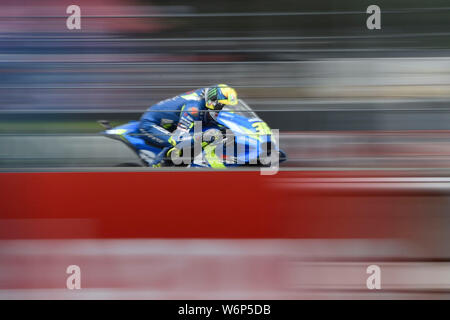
[[133, 205], [196, 205]]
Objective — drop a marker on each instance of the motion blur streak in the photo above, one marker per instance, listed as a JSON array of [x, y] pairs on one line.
[[363, 117], [351, 149], [404, 232], [290, 204], [218, 269]]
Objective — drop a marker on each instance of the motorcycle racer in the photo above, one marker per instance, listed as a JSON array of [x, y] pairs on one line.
[[170, 121]]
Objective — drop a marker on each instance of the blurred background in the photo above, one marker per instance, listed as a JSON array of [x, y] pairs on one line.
[[363, 116], [308, 68]]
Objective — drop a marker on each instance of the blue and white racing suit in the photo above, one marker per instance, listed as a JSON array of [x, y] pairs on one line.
[[169, 119]]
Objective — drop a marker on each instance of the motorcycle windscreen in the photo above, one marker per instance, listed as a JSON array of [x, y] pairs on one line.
[[250, 145]]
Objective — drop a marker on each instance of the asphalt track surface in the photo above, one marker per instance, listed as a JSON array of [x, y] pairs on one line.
[[340, 150]]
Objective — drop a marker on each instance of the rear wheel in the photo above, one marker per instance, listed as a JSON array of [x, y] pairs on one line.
[[128, 164]]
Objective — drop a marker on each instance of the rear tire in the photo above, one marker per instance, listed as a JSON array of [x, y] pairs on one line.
[[128, 164]]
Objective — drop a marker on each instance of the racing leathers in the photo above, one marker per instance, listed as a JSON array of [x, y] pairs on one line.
[[168, 122]]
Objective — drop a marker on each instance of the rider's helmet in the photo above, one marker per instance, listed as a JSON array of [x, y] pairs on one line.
[[219, 96]]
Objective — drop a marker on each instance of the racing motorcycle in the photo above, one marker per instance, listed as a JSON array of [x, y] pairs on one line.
[[237, 138]]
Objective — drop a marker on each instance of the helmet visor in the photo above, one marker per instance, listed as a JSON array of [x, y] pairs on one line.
[[217, 97]]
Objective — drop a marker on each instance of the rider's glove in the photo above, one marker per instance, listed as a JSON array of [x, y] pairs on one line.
[[178, 136], [185, 137]]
